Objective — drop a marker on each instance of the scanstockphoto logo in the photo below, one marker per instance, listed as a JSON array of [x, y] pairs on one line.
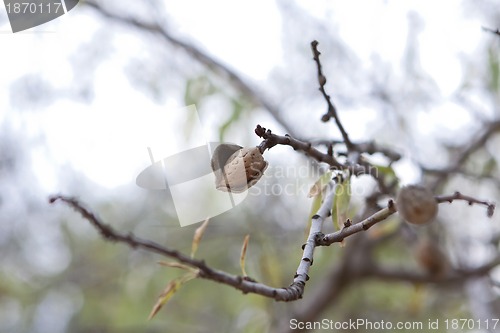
[[25, 14], [188, 176]]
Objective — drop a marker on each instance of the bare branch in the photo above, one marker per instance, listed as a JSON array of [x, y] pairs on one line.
[[202, 57], [494, 31], [271, 140], [246, 285], [368, 147], [326, 293], [470, 200], [332, 110], [474, 145], [456, 276], [467, 174], [312, 240], [350, 229], [384, 213], [372, 147]]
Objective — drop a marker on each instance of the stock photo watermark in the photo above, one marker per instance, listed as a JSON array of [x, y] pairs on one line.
[[203, 186], [26, 14], [430, 325], [189, 178]]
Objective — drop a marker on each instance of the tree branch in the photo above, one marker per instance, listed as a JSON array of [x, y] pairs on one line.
[[456, 276], [350, 229], [314, 233], [470, 200], [290, 293], [315, 238], [493, 31], [197, 54], [368, 147], [490, 129], [381, 215], [332, 110], [271, 140]]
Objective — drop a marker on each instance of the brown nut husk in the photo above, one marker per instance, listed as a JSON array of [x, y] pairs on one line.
[[237, 169], [430, 257], [416, 204]]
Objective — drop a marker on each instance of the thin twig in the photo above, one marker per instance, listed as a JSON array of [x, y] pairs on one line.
[[290, 293], [202, 57], [372, 147], [455, 276], [490, 206], [383, 214], [368, 147], [316, 238], [332, 110], [487, 132], [494, 31], [271, 140], [339, 236]]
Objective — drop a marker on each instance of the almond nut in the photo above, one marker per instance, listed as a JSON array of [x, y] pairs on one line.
[[241, 170], [416, 204]]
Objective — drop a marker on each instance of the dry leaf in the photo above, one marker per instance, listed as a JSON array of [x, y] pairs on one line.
[[198, 234], [243, 254], [169, 291], [175, 264], [165, 295]]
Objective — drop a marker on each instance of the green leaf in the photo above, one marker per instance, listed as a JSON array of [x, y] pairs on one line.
[[316, 192], [489, 167], [319, 185], [388, 173], [341, 201], [494, 64], [197, 88], [238, 108], [316, 204]]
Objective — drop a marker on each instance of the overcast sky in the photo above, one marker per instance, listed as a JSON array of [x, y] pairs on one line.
[[447, 34]]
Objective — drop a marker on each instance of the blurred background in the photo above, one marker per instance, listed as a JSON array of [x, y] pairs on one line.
[[83, 96]]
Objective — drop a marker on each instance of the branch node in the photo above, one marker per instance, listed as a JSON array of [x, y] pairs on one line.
[[390, 204], [490, 210], [249, 279], [260, 131], [318, 237]]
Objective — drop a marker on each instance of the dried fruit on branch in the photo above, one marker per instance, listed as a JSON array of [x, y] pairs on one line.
[[236, 168], [416, 204]]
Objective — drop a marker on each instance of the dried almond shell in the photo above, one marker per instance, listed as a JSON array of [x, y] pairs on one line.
[[241, 170], [416, 204]]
